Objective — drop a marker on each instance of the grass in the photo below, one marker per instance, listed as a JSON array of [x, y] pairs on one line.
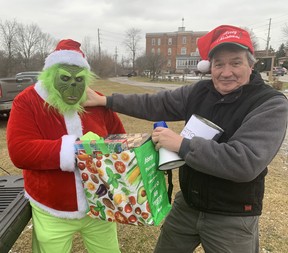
[[134, 239]]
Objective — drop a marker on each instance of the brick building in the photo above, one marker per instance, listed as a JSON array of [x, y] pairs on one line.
[[178, 48]]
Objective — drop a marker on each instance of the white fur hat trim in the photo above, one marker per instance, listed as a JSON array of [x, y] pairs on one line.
[[69, 57], [203, 66]]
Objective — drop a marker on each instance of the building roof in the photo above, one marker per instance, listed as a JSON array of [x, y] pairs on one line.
[[181, 31]]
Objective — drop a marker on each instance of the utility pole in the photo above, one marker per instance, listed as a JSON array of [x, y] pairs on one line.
[[267, 52], [116, 55], [268, 37], [99, 44]]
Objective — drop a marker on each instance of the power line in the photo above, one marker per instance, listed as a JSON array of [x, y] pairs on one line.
[[271, 30], [110, 40]]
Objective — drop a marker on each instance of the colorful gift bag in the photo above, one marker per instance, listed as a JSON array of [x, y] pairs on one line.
[[125, 186]]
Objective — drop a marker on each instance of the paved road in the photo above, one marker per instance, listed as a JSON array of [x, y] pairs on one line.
[[156, 85]]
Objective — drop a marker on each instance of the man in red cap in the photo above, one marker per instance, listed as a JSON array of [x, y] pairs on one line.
[[44, 123], [222, 182]]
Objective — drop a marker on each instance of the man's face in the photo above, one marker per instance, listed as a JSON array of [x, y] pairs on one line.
[[230, 70], [70, 83]]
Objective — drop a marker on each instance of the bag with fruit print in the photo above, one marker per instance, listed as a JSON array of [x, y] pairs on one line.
[[126, 186]]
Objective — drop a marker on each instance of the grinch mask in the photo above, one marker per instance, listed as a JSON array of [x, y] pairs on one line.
[[70, 82], [66, 85]]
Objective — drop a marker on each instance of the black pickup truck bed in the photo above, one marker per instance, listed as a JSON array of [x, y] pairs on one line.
[[9, 89], [15, 211]]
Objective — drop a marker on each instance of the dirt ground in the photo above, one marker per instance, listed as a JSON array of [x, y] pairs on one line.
[[133, 239]]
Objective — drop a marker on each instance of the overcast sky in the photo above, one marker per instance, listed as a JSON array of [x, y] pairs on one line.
[[79, 19]]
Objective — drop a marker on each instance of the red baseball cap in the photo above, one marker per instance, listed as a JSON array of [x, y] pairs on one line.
[[224, 34]]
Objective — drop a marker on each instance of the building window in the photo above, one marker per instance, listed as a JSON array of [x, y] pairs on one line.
[[170, 41], [153, 51], [169, 63], [158, 51], [169, 51], [184, 40], [159, 41], [183, 50], [153, 42], [187, 63]]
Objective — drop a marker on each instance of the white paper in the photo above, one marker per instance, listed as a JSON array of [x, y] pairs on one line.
[[197, 127]]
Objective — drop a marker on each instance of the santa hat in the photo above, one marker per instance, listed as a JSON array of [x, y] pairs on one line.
[[67, 52], [224, 34]]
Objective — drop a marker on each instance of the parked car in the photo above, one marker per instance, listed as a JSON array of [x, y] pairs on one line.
[[28, 74], [278, 71], [130, 74]]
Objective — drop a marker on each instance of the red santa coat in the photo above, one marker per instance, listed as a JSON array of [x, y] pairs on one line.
[[41, 142]]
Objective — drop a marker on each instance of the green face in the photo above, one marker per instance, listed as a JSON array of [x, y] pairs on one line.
[[70, 82]]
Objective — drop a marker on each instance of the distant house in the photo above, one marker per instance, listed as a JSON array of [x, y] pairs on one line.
[[178, 48], [269, 53], [264, 53], [281, 60], [267, 57]]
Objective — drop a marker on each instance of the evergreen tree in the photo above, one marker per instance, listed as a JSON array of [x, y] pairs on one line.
[[280, 53]]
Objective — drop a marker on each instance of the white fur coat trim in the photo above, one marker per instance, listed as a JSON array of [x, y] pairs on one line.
[[66, 215]]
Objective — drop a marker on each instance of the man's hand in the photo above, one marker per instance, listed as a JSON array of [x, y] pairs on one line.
[[93, 99], [166, 138]]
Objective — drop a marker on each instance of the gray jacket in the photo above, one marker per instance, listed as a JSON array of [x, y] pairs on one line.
[[251, 150]]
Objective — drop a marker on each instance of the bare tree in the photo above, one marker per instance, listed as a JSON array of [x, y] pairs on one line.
[[45, 45], [99, 65], [131, 42], [29, 37], [88, 48], [141, 63], [253, 38], [8, 40], [155, 63], [285, 33], [24, 47]]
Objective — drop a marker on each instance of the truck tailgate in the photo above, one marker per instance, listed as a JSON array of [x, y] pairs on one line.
[[11, 87]]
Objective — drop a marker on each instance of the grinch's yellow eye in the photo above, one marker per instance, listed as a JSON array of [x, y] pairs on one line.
[[65, 78], [79, 79]]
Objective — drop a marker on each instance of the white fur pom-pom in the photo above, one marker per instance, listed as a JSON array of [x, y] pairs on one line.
[[203, 66]]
